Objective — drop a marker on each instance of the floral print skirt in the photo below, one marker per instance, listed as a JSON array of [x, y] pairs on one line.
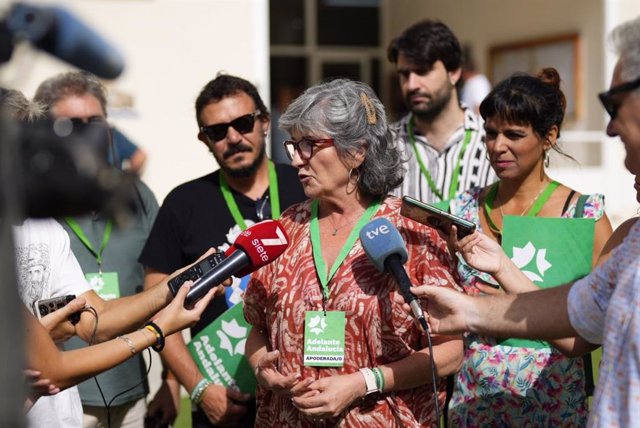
[[504, 386]]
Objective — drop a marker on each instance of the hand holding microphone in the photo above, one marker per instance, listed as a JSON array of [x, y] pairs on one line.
[[385, 248], [255, 247]]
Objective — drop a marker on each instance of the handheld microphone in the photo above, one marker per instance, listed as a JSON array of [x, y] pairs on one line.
[[58, 32], [255, 247], [385, 248]]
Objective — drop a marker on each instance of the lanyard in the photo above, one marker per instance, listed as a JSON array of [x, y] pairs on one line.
[[75, 227], [321, 267], [274, 198], [456, 171], [533, 211]]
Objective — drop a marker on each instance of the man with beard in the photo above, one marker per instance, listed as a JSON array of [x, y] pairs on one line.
[[443, 140], [211, 211]]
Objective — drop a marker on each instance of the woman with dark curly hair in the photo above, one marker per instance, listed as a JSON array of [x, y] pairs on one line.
[[513, 382]]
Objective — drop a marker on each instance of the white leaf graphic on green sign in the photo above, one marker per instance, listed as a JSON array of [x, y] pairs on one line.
[[317, 324], [523, 256], [235, 331]]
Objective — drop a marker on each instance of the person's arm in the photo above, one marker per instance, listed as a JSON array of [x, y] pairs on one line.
[[602, 233], [65, 369], [615, 239], [120, 315], [222, 405], [540, 314], [137, 161], [331, 395]]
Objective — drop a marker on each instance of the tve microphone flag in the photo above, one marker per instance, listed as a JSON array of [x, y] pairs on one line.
[[385, 248], [255, 247]]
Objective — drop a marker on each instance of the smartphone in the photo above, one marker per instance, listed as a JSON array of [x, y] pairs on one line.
[[43, 307], [195, 272], [435, 217]]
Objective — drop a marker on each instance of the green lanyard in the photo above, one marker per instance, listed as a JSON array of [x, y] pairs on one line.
[[75, 227], [321, 267], [274, 198], [456, 172], [533, 211]]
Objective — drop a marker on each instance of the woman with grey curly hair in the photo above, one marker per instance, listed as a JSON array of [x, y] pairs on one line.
[[329, 340]]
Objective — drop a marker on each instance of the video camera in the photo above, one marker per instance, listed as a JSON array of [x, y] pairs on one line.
[[53, 168]]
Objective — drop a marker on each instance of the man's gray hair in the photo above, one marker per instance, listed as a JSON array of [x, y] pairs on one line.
[[351, 114], [626, 42], [71, 83], [15, 105]]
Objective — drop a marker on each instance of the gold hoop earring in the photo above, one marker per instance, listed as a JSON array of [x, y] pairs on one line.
[[353, 181]]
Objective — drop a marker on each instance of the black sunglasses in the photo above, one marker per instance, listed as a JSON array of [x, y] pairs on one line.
[[612, 103], [243, 124]]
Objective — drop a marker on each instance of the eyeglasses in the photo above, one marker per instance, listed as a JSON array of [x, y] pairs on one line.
[[263, 208], [243, 124], [304, 146], [612, 103]]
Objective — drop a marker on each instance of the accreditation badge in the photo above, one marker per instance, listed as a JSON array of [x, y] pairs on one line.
[[324, 338], [105, 284]]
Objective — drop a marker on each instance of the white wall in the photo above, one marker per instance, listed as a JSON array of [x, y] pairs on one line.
[[172, 49]]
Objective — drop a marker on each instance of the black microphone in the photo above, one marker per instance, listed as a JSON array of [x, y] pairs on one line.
[[58, 32], [255, 247], [385, 248]]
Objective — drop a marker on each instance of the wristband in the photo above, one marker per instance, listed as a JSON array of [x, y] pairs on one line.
[[198, 392], [153, 328], [369, 380], [377, 372]]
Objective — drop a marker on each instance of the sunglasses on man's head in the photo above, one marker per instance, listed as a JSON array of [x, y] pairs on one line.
[[611, 100], [243, 124]]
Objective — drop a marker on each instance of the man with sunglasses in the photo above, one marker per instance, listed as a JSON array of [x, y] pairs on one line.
[[107, 254], [602, 308], [211, 211]]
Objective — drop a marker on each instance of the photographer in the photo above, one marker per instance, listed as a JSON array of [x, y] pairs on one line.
[[106, 252]]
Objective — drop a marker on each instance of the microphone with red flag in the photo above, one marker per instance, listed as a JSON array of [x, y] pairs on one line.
[[255, 247]]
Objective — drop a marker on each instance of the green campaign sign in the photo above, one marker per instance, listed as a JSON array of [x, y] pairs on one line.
[[218, 351], [550, 251]]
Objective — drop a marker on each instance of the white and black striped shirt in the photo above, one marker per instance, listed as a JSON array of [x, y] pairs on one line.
[[475, 168]]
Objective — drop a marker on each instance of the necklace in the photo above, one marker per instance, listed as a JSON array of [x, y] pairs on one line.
[[335, 229], [531, 211], [523, 211]]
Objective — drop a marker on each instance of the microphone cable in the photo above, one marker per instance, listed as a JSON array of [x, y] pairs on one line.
[[107, 406], [434, 378]]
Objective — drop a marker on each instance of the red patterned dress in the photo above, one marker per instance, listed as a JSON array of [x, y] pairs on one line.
[[378, 330]]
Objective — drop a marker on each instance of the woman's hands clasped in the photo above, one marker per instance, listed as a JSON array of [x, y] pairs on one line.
[[330, 396], [322, 398]]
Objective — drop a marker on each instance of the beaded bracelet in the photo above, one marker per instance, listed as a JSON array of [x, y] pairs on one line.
[[152, 327], [198, 392]]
